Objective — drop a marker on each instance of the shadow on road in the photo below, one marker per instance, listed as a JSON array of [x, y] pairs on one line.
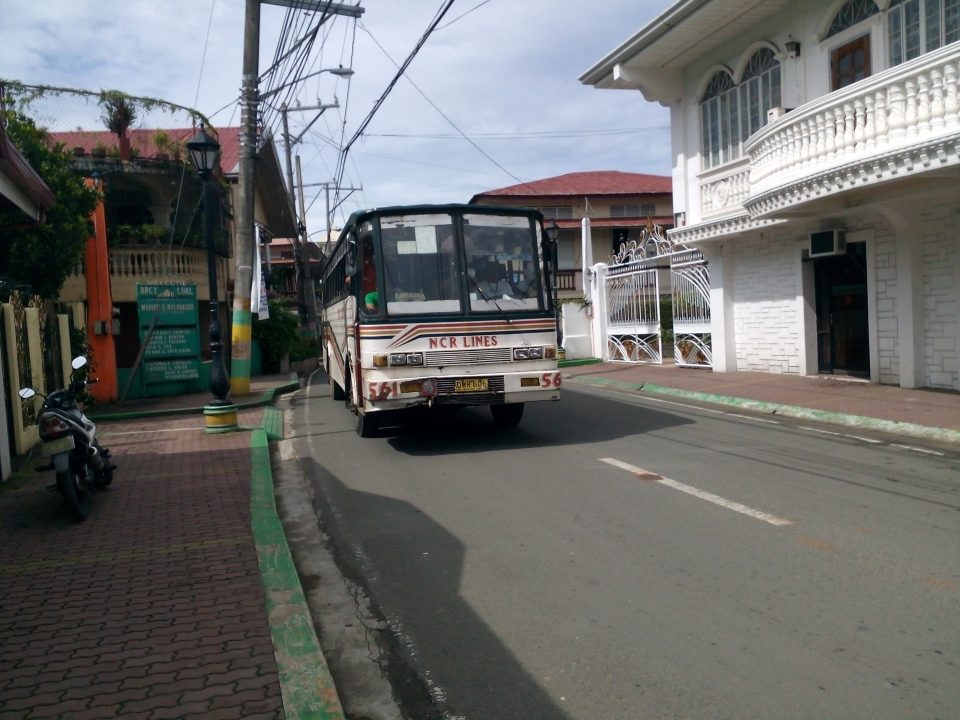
[[443, 660], [576, 419]]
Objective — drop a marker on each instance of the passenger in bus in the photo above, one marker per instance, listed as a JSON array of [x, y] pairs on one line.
[[368, 277]]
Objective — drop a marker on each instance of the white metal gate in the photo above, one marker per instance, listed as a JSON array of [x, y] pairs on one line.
[[632, 287], [690, 285]]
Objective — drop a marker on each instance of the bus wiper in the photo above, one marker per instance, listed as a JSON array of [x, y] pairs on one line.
[[488, 299]]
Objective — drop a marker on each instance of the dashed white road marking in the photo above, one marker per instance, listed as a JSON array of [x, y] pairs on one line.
[[696, 492], [918, 449], [821, 431]]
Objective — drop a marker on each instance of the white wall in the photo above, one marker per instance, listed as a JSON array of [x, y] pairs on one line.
[[766, 289]]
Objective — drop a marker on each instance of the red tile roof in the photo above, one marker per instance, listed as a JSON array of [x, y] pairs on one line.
[[142, 140], [580, 184]]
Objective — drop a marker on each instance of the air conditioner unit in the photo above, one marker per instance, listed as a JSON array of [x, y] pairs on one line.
[[827, 242], [775, 112]]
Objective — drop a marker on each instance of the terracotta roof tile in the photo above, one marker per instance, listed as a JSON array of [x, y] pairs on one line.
[[142, 140], [579, 184]]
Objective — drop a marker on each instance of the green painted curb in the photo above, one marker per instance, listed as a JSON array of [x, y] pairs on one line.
[[575, 363], [802, 413], [305, 682], [266, 398]]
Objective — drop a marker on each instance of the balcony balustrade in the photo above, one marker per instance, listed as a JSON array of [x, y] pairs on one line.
[[901, 122], [132, 265]]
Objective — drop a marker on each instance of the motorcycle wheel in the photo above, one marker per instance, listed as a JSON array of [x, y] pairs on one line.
[[76, 493]]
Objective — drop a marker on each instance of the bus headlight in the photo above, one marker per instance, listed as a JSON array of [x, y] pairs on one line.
[[550, 352], [379, 360], [528, 353], [406, 358]]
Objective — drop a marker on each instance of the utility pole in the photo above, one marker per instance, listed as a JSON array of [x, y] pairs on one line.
[[307, 299], [309, 291], [242, 322], [242, 332]]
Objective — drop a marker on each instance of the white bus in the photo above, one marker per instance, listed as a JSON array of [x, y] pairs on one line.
[[438, 305]]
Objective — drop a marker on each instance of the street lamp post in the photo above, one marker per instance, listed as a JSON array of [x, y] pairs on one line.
[[553, 232], [221, 414]]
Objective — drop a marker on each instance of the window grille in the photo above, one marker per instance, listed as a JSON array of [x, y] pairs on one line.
[[634, 210], [557, 213], [730, 113]]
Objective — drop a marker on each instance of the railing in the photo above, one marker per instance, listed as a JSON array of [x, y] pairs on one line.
[[566, 280], [723, 190], [132, 265], [912, 106]]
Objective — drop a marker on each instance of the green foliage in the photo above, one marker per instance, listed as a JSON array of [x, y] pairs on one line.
[[305, 348], [277, 335], [43, 255], [119, 113]]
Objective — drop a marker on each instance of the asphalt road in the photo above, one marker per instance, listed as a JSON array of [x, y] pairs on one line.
[[619, 557]]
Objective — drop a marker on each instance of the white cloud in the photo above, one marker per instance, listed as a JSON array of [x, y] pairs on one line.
[[504, 67]]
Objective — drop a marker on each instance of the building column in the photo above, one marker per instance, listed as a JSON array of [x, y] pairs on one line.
[[723, 332], [910, 332]]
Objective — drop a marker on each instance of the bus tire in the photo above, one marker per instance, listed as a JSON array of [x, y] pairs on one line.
[[367, 424], [507, 415]]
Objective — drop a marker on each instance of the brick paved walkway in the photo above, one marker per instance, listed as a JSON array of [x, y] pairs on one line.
[[152, 608]]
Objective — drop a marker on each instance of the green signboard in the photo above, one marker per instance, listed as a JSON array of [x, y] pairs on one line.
[[167, 312]]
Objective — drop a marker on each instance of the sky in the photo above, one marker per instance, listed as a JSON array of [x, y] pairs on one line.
[[491, 99]]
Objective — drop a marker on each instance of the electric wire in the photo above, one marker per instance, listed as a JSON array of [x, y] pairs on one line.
[[442, 114], [363, 125]]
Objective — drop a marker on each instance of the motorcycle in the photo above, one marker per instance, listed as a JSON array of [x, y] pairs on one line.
[[68, 438]]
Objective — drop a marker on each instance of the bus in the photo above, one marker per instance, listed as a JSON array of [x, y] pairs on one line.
[[440, 305]]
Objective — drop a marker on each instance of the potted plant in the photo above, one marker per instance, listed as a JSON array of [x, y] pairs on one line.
[[161, 141], [99, 150]]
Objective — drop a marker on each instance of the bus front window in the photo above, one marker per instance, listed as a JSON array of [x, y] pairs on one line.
[[419, 264], [503, 264]]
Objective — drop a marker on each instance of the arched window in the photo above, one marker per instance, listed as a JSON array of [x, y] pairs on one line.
[[916, 27], [851, 13], [730, 113], [718, 121], [759, 91]]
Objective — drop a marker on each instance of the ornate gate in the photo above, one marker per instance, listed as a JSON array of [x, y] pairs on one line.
[[632, 285], [690, 283]]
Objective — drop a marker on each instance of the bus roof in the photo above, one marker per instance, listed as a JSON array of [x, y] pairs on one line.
[[357, 215]]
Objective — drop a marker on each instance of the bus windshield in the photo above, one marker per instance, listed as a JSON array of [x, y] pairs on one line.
[[492, 264]]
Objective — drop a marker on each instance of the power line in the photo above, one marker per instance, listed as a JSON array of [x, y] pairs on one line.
[[363, 126], [545, 134], [444, 115]]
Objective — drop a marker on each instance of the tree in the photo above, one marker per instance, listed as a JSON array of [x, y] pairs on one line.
[[43, 255]]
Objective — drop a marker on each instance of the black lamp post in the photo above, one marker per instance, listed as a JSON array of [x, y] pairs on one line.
[[204, 151], [553, 233]]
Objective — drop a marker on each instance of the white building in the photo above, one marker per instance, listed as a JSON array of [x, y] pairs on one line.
[[815, 147]]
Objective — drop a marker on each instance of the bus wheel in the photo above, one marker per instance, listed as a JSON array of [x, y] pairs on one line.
[[507, 415], [367, 424]]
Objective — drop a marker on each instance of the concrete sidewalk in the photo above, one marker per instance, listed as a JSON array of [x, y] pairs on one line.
[[928, 414], [177, 598]]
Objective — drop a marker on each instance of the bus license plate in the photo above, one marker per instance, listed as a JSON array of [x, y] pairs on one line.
[[57, 446], [472, 385]]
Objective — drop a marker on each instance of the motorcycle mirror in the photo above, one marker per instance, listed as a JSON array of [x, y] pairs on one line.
[[78, 362], [26, 393]]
